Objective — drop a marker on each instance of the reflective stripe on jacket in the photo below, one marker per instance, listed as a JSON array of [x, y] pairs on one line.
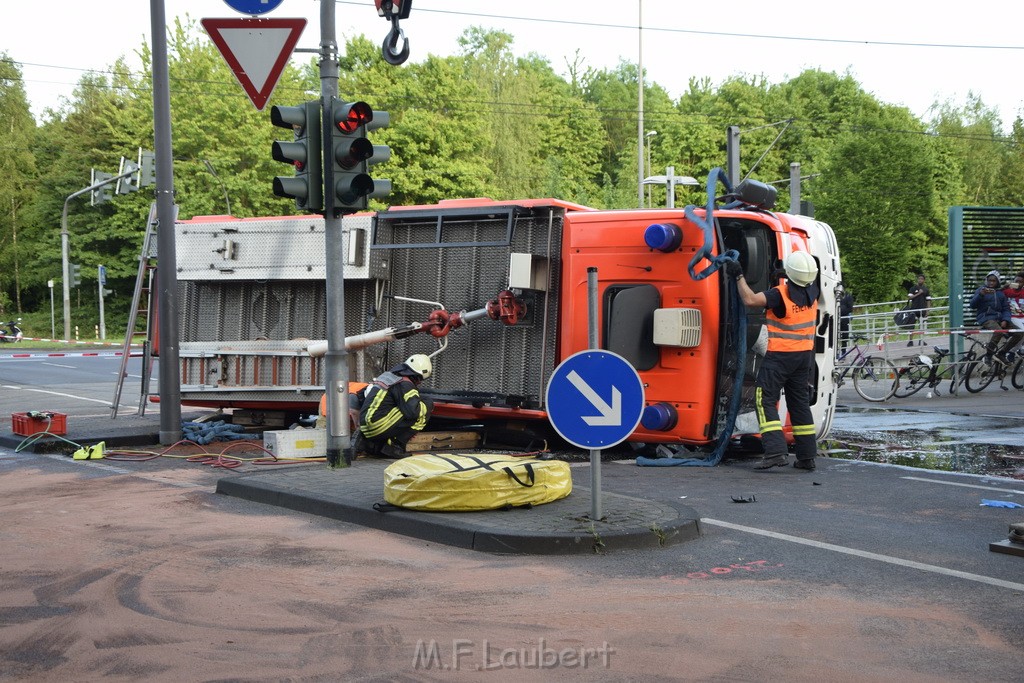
[[794, 332], [388, 399]]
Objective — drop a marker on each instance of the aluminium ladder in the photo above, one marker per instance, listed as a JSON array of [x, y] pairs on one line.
[[142, 304]]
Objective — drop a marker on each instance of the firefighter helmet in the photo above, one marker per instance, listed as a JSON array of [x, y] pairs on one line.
[[420, 364], [801, 268]]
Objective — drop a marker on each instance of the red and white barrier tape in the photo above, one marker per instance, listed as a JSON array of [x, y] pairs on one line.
[[83, 354], [65, 341]]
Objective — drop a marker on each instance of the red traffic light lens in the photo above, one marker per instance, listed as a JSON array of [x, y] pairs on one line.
[[358, 114]]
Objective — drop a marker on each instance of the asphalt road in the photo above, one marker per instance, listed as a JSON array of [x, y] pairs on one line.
[[858, 571]]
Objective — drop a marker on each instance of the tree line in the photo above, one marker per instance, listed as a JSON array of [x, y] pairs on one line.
[[488, 123]]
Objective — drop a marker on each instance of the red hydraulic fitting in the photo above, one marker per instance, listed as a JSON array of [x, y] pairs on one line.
[[438, 323], [506, 308]]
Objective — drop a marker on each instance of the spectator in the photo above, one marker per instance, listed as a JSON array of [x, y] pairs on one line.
[[918, 303], [992, 311], [845, 311], [1014, 292]]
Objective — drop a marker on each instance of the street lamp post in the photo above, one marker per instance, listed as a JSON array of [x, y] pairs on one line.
[[650, 134], [670, 180]]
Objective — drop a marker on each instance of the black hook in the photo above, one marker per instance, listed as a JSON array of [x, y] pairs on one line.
[[389, 49]]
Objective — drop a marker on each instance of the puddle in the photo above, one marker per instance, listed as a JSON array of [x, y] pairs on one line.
[[925, 449]]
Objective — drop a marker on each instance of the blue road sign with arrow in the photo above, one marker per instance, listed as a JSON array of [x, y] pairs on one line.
[[595, 399]]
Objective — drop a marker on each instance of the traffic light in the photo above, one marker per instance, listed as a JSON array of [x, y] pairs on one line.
[[147, 168], [304, 153], [76, 274], [103, 193], [352, 154], [131, 182]]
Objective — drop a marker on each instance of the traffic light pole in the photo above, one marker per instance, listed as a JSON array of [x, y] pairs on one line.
[[166, 273], [65, 247], [339, 449]]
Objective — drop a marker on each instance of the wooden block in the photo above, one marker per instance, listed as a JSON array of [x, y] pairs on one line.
[[1007, 547], [439, 441]]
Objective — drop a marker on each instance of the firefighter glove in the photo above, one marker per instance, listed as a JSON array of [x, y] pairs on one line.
[[733, 270]]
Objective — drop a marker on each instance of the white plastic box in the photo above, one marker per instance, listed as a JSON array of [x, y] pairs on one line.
[[296, 443]]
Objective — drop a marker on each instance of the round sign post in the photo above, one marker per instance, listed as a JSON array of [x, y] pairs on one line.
[[253, 7], [595, 400]]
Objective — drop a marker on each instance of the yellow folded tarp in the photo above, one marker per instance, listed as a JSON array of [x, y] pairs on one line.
[[464, 483]]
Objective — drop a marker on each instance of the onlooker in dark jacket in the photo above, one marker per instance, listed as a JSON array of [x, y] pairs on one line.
[[992, 311]]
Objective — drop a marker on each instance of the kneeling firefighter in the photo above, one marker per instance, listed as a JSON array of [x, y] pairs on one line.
[[393, 410]]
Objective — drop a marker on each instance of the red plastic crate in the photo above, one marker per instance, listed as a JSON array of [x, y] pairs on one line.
[[23, 425]]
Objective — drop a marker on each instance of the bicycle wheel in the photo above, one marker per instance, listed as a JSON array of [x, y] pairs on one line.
[[1018, 374], [876, 379], [979, 375], [912, 379]]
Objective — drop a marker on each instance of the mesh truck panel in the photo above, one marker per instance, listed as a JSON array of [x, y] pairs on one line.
[[462, 262]]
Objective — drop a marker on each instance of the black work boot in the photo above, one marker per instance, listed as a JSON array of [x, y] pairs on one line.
[[805, 464], [364, 446], [772, 460]]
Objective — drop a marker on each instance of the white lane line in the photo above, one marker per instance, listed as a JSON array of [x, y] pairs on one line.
[[58, 365], [148, 476], [969, 486], [870, 556], [57, 393]]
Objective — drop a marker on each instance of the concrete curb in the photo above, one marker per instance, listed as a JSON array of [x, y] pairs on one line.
[[355, 495]]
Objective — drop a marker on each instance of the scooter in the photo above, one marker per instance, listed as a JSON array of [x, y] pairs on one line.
[[10, 332]]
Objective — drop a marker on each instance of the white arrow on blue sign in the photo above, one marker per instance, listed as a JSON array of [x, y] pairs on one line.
[[253, 7], [595, 399]]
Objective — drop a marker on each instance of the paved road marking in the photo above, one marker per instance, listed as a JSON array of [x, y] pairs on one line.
[[970, 486], [57, 393], [58, 365], [156, 477], [870, 556]]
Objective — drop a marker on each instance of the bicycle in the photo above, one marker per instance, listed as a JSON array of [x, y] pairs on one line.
[[927, 371], [984, 371], [875, 379]]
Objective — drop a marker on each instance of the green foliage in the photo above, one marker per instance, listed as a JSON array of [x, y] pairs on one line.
[[18, 175], [489, 122]]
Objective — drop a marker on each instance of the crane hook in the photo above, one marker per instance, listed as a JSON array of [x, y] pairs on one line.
[[389, 49], [394, 10]]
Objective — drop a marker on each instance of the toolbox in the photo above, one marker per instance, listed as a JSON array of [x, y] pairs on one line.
[[27, 424], [296, 443]]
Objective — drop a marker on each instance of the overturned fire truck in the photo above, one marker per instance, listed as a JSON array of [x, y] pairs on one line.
[[496, 292]]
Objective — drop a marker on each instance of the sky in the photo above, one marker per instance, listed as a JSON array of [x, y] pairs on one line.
[[906, 52]]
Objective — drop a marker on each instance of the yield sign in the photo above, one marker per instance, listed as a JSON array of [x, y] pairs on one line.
[[256, 50]]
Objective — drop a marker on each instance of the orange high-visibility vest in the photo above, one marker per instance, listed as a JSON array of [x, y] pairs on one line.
[[795, 332]]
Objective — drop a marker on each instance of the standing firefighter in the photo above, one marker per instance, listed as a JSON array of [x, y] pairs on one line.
[[790, 317], [393, 410]]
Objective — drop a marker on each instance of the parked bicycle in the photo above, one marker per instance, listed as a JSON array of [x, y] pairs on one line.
[[874, 378], [928, 371], [987, 369]]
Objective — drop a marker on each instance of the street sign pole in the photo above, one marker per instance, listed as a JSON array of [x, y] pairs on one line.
[[595, 455], [594, 399], [53, 325], [101, 284]]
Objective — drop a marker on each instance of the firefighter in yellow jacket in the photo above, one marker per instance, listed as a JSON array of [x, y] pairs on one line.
[[392, 410], [790, 316]]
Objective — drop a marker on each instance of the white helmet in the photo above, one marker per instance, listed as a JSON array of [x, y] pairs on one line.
[[420, 364], [801, 268]]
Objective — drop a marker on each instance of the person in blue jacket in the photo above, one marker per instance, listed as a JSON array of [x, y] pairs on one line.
[[992, 311]]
